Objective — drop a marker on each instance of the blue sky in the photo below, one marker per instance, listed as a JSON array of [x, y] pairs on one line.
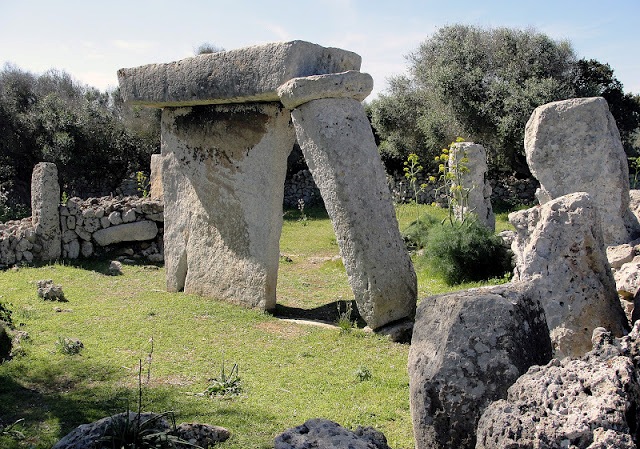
[[93, 39]]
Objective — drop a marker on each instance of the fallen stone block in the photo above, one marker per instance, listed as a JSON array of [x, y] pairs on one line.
[[127, 232]]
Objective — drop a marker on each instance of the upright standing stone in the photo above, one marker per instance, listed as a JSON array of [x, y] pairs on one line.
[[45, 213], [559, 250], [155, 190], [223, 175], [474, 180], [338, 145], [574, 146]]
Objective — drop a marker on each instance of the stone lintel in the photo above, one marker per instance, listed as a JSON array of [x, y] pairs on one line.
[[251, 74], [351, 84]]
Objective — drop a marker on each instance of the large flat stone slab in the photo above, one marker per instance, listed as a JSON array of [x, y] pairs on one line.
[[251, 74]]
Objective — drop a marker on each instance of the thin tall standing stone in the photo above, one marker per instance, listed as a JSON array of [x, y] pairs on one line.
[[45, 213]]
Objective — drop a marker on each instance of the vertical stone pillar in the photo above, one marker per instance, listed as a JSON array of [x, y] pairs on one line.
[[155, 190], [45, 212], [574, 146], [474, 178], [223, 175], [340, 150]]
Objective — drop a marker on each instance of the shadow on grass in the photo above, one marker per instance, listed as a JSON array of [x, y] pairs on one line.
[[327, 313], [52, 394]]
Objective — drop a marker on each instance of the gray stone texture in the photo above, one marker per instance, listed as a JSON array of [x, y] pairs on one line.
[[155, 189], [251, 74], [325, 434], [474, 178], [467, 349], [127, 232], [574, 146], [351, 84], [339, 147], [223, 176], [45, 213], [559, 248], [587, 403]]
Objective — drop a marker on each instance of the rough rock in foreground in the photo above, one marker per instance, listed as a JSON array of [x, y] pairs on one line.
[[467, 349], [325, 434], [587, 403]]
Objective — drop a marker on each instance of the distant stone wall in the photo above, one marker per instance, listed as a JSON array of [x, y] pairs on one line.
[[509, 190], [129, 225]]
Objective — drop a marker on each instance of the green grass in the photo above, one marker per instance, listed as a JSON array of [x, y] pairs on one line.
[[289, 372]]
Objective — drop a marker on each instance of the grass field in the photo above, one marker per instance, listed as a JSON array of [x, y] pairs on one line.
[[289, 372]]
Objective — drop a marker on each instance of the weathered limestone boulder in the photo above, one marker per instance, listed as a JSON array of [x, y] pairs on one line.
[[45, 215], [475, 179], [574, 146], [325, 434], [618, 255], [127, 232], [251, 74], [592, 402], [155, 191], [351, 84], [559, 248], [85, 436], [223, 175], [467, 349], [49, 291], [339, 147]]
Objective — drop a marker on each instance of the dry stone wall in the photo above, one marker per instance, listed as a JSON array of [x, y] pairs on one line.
[[88, 228]]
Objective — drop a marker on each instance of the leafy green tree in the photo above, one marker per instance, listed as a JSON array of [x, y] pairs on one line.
[[593, 78], [479, 83], [93, 138]]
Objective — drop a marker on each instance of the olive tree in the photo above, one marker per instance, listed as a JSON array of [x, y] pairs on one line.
[[481, 84]]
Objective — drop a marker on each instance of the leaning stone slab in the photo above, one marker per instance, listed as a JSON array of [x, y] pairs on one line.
[[339, 147], [574, 146], [251, 74], [45, 203], [224, 169], [467, 349], [128, 232], [351, 84], [560, 249]]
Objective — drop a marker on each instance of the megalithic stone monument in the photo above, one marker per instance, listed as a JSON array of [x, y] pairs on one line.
[[229, 121]]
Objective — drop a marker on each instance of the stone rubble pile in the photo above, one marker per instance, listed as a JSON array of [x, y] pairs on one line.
[[18, 242]]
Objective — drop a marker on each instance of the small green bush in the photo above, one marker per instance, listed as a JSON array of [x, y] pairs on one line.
[[415, 236], [465, 253]]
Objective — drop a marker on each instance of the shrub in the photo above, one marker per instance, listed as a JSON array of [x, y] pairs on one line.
[[469, 252], [415, 235]]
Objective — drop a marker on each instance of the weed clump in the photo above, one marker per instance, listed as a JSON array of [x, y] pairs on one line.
[[467, 253]]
